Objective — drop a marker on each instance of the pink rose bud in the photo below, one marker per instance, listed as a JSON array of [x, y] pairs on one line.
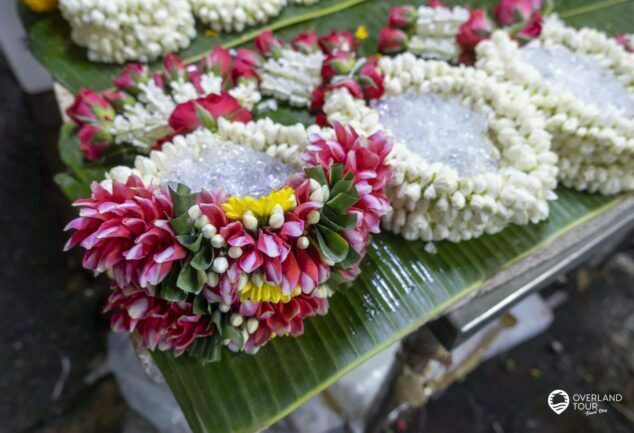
[[339, 63], [402, 17], [205, 111], [173, 67], [133, 75], [338, 41], [93, 141], [371, 80], [627, 41], [392, 41], [476, 29], [249, 57], [531, 29], [306, 42], [90, 107], [268, 45], [508, 12], [218, 61], [242, 72]]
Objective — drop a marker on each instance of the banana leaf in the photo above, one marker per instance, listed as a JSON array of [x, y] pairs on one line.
[[401, 287]]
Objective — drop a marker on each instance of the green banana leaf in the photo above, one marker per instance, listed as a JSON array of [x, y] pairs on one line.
[[401, 286]]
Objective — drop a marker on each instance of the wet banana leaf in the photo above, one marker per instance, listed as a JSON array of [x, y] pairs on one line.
[[401, 286]]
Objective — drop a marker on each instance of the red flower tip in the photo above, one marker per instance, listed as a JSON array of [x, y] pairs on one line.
[[249, 57], [93, 141], [217, 61], [392, 41], [532, 28], [173, 66], [627, 41], [205, 111], [90, 107], [508, 12], [268, 45], [337, 63], [317, 99], [371, 80], [435, 4], [402, 17], [473, 31], [338, 41], [133, 75], [306, 42]]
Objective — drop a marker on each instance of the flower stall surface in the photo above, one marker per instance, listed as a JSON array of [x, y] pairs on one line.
[[400, 286], [583, 81], [471, 155]]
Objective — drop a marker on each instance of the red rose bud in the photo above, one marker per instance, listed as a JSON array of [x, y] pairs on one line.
[[476, 29], [322, 120], [306, 42], [205, 111], [173, 67], [371, 80], [348, 83], [90, 107], [157, 77], [218, 61], [242, 71], [93, 141], [268, 45], [133, 75], [626, 41], [339, 63], [249, 57], [317, 99], [532, 29], [435, 4], [402, 17], [508, 12], [118, 100], [392, 41], [338, 41]]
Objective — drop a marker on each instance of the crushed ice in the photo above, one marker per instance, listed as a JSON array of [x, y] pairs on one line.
[[441, 130], [581, 75], [240, 171]]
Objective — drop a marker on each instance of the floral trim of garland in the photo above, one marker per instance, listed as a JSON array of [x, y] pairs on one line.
[[451, 34], [312, 65], [595, 146], [196, 272], [236, 15], [429, 200], [137, 114], [129, 31]]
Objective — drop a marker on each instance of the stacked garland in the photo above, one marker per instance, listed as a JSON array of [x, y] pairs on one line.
[[195, 271], [136, 114], [430, 201], [595, 145]]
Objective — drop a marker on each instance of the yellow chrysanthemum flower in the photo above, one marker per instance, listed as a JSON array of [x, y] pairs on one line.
[[266, 293], [261, 207], [361, 33], [41, 5]]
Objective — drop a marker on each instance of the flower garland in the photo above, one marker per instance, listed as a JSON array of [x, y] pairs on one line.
[[236, 15], [117, 31], [193, 272], [595, 144], [451, 34], [137, 113], [430, 201]]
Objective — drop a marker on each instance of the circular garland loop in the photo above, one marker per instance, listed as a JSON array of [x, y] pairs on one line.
[[194, 272], [120, 31], [137, 114], [595, 146], [430, 201]]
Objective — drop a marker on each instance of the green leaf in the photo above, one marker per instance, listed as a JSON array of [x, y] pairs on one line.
[[342, 185], [200, 305], [352, 258], [336, 173], [68, 145], [182, 198], [332, 245], [72, 188], [190, 280], [343, 201], [202, 260], [206, 349], [181, 225], [168, 289], [191, 242], [337, 221], [317, 173], [231, 333]]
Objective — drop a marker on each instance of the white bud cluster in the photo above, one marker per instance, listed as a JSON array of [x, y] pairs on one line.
[[430, 201], [435, 32], [117, 31], [144, 122], [236, 15], [292, 77], [595, 146]]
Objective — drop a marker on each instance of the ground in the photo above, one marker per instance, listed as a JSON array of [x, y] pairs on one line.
[[52, 331]]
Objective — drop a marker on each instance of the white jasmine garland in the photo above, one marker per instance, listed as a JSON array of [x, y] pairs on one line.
[[431, 201], [595, 145], [435, 32], [146, 121], [117, 31], [236, 15], [292, 76]]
